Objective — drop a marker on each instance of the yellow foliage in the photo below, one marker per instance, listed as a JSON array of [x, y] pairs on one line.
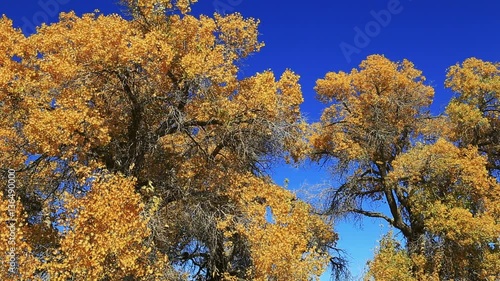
[[17, 261], [371, 109], [287, 240], [474, 112], [104, 233], [390, 262], [450, 190], [132, 128], [435, 174]]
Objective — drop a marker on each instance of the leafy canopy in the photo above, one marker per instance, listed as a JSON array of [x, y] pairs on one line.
[[140, 154]]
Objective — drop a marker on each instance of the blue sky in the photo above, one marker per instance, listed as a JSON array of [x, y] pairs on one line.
[[319, 36]]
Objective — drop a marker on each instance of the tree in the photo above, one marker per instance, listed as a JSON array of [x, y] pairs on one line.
[[440, 196], [391, 262], [140, 155], [474, 113]]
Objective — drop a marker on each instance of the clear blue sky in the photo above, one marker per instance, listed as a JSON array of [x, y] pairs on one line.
[[315, 37]]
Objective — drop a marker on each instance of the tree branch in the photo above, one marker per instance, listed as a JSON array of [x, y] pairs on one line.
[[373, 215]]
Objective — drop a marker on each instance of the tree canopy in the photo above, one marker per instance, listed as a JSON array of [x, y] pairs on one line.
[[435, 174], [139, 154]]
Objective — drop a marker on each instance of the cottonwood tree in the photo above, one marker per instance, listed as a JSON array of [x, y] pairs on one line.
[[475, 110], [431, 173], [140, 154]]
